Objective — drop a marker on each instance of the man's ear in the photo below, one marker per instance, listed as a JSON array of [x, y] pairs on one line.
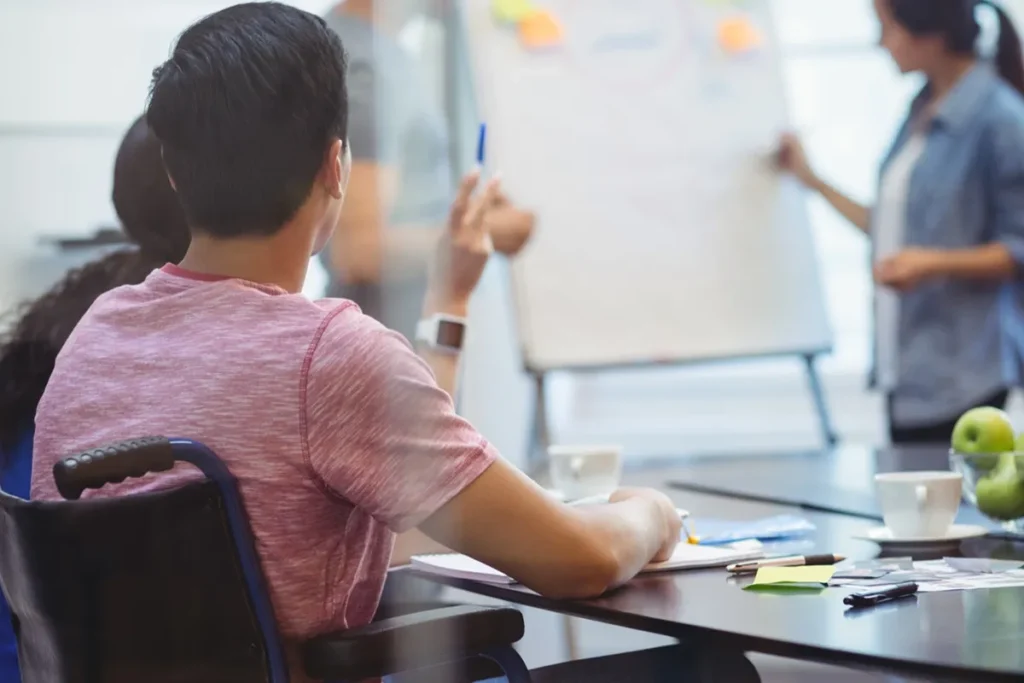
[[336, 170]]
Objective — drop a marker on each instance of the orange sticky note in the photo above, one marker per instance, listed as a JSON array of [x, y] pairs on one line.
[[540, 29], [738, 35]]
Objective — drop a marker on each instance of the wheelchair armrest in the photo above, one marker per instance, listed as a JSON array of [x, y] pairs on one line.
[[412, 641]]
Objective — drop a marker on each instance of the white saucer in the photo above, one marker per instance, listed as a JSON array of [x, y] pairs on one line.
[[958, 532]]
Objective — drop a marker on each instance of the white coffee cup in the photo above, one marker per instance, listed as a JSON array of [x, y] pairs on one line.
[[585, 471], [918, 505]]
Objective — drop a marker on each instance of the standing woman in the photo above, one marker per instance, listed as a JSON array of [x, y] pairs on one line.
[[947, 231]]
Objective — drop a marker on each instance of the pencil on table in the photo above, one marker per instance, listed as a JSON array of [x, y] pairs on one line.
[[691, 538]]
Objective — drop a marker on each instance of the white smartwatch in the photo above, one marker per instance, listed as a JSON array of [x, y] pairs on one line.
[[442, 332]]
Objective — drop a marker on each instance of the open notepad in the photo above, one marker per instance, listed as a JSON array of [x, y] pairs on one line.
[[685, 557]]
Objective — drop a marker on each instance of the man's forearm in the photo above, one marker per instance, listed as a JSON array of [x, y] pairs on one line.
[[987, 262], [631, 531], [412, 543]]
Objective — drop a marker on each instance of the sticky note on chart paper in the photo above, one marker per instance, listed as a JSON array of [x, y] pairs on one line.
[[738, 35], [511, 11], [540, 30], [814, 577]]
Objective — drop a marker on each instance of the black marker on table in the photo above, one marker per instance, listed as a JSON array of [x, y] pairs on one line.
[[903, 590]]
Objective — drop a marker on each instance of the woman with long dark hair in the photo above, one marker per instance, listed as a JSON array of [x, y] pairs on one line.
[[947, 229], [151, 217]]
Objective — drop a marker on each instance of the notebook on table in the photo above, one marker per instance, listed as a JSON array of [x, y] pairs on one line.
[[686, 556]]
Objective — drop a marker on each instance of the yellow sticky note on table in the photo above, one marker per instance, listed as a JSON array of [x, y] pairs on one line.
[[815, 575], [539, 30], [511, 11], [738, 35]]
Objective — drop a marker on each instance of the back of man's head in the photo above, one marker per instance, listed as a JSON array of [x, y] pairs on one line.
[[246, 109]]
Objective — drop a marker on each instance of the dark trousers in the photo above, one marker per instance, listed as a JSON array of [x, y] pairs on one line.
[[938, 432]]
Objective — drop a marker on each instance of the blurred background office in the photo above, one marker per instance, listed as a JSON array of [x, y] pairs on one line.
[[75, 75]]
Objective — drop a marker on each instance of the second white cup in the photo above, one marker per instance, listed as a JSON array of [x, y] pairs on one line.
[[919, 505], [585, 471]]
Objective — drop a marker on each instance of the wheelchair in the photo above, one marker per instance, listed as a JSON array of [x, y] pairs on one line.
[[166, 587]]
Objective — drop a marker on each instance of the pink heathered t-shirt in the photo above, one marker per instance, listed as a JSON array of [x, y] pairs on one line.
[[336, 431]]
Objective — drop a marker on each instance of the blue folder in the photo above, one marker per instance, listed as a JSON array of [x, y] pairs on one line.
[[769, 529]]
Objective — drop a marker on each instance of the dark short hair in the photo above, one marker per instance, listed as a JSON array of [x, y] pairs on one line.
[[245, 110]]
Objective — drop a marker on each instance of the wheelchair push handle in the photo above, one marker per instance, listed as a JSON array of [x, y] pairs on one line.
[[113, 464]]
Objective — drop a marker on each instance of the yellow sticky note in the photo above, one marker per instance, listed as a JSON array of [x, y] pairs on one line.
[[738, 35], [819, 574], [540, 30], [511, 11]]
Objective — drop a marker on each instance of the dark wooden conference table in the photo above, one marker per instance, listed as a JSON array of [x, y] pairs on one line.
[[975, 636], [840, 480]]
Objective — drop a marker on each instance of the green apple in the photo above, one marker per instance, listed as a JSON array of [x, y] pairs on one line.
[[986, 431], [1019, 446], [1000, 493]]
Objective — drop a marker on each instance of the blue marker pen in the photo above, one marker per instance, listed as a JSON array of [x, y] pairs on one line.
[[481, 145]]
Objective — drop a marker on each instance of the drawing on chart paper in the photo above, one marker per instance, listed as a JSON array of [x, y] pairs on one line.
[[540, 30], [537, 28], [511, 11], [653, 117], [737, 35]]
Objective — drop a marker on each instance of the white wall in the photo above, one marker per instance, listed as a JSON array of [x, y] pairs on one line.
[[74, 75]]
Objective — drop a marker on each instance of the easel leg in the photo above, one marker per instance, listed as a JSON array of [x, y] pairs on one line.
[[537, 457], [818, 394]]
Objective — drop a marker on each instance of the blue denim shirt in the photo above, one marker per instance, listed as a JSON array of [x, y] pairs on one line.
[[961, 341]]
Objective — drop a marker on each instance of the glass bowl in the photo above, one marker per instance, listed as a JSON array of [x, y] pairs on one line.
[[997, 479]]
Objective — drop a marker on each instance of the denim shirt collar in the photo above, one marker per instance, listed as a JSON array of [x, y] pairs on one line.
[[960, 104], [956, 112]]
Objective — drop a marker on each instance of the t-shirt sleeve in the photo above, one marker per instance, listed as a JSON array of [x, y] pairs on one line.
[[380, 433], [372, 128]]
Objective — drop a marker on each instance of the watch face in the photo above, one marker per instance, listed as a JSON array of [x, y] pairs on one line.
[[450, 334]]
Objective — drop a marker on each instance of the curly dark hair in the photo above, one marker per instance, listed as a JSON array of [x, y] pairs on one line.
[[151, 217]]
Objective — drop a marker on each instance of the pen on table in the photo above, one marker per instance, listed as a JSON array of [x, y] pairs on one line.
[[793, 561], [903, 590]]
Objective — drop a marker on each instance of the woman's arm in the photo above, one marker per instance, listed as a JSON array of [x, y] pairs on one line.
[[911, 266], [792, 158], [853, 211], [986, 262]]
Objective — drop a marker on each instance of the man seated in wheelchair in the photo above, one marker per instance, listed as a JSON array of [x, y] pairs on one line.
[[339, 434]]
